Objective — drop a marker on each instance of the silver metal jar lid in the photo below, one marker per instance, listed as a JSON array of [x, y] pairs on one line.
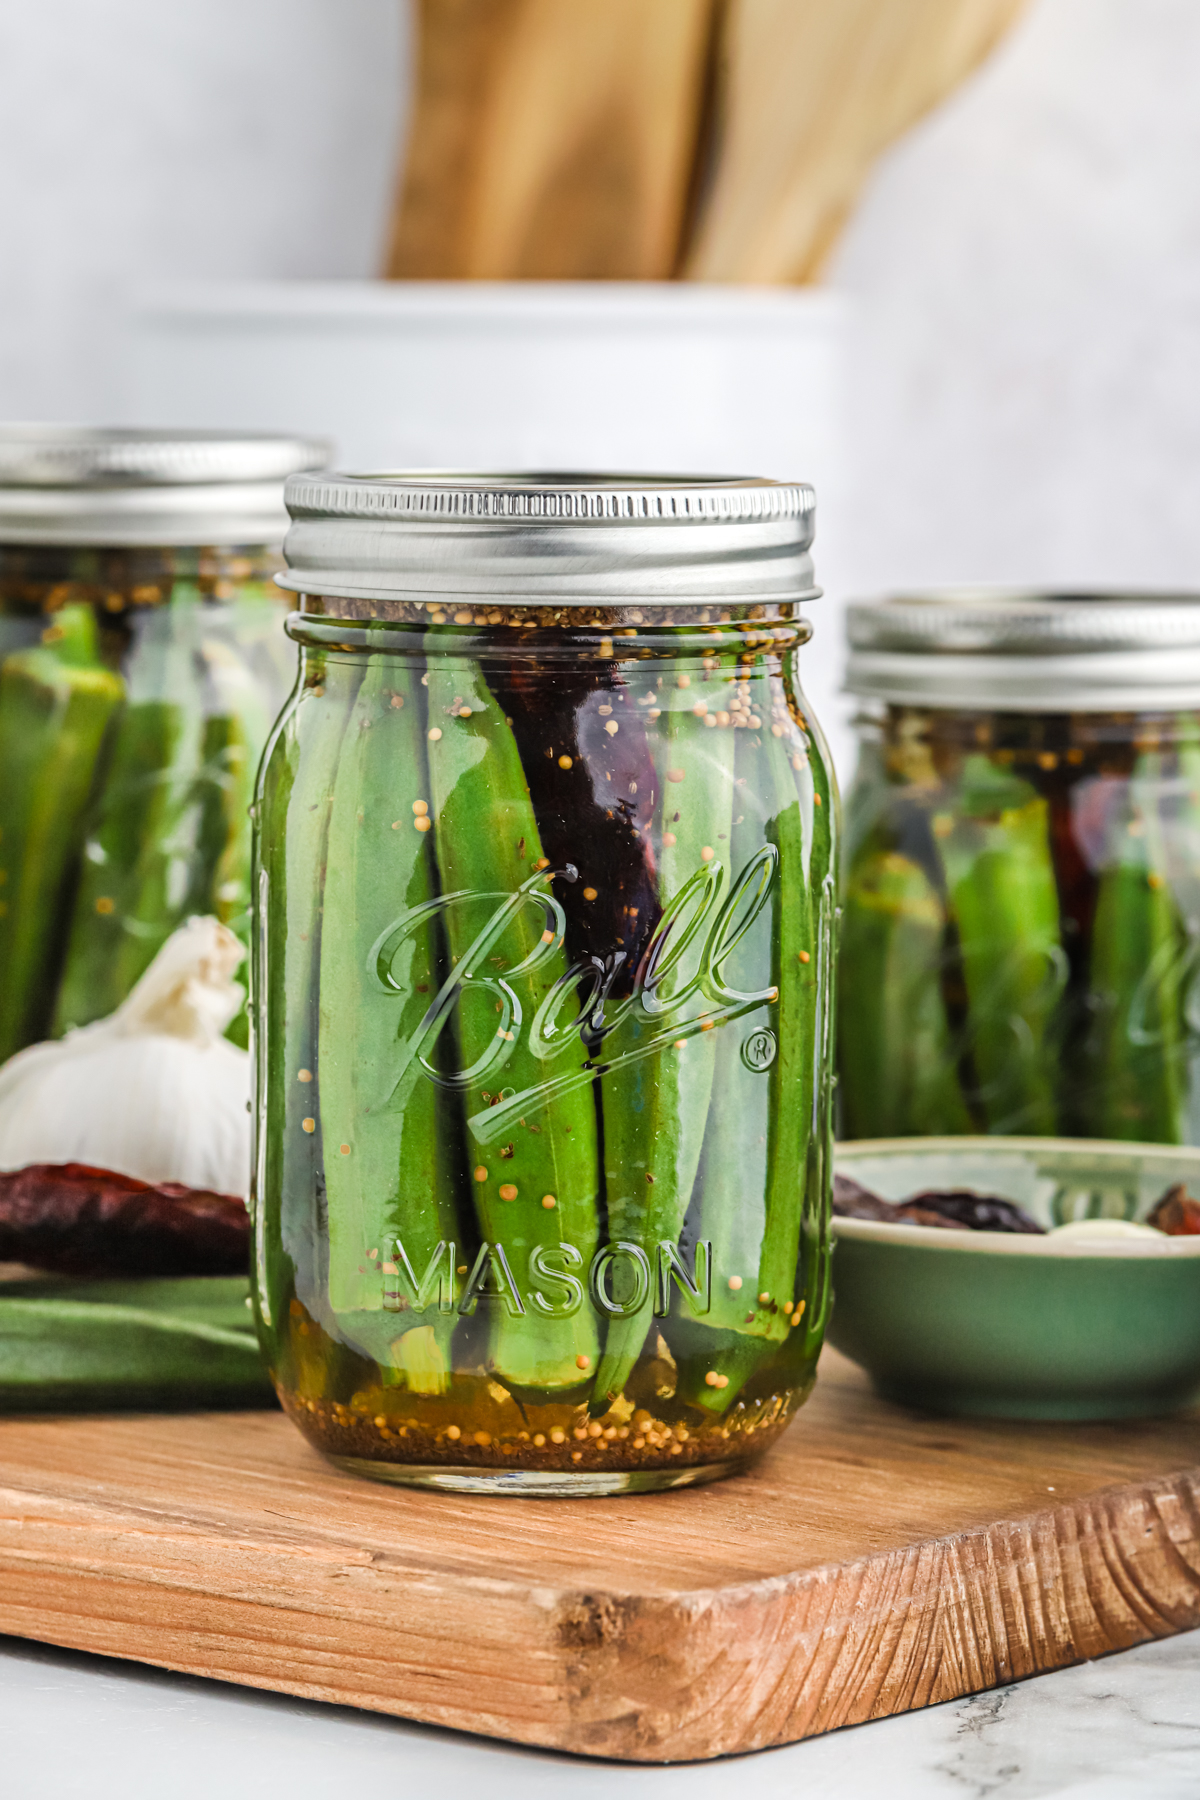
[[1022, 652], [67, 484], [656, 539]]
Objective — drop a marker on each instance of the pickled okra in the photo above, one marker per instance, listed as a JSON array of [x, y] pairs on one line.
[[751, 1189], [169, 831], [102, 960], [1135, 975], [535, 1186], [391, 1136], [899, 1062], [654, 1107], [141, 674], [56, 705], [221, 880], [1002, 894], [1022, 928]]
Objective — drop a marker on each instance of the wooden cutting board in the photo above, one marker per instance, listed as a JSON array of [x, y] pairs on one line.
[[875, 1561]]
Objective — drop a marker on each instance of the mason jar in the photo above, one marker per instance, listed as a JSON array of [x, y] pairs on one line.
[[543, 981], [1021, 928], [142, 661]]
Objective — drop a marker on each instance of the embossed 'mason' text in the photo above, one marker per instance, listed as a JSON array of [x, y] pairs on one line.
[[550, 1279]]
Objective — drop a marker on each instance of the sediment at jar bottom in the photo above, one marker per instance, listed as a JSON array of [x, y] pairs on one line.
[[382, 1427]]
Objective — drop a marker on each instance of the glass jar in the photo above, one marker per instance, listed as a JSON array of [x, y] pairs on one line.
[[1021, 928], [543, 982], [142, 660]]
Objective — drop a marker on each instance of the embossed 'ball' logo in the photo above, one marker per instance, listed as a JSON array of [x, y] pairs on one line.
[[758, 1051]]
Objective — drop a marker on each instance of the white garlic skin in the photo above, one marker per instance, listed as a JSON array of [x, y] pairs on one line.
[[154, 1091]]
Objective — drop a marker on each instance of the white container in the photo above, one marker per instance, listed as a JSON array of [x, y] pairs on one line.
[[521, 375]]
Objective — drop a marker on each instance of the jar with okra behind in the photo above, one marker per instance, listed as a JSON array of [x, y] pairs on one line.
[[142, 661], [543, 981], [1021, 930]]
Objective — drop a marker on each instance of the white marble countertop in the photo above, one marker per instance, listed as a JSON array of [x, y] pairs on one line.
[[75, 1727]]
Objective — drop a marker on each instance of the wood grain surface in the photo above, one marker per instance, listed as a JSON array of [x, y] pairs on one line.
[[875, 1561], [809, 94], [551, 139]]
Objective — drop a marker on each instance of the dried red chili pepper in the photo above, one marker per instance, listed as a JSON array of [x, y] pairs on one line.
[[75, 1220], [955, 1209], [1176, 1213], [851, 1200], [978, 1212]]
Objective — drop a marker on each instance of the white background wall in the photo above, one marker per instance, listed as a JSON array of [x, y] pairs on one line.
[[1027, 266], [173, 138], [1024, 271]]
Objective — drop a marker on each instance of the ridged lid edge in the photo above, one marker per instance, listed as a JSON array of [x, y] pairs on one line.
[[1024, 624], [68, 457], [545, 499]]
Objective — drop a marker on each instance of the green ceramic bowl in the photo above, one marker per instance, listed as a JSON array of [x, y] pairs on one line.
[[1076, 1326]]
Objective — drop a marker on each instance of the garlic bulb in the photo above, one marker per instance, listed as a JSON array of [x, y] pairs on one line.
[[153, 1091]]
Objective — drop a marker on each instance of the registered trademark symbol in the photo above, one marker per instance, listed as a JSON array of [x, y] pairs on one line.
[[758, 1051]]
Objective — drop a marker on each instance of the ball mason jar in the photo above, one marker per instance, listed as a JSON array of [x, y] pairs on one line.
[[142, 662], [543, 981], [1021, 928]]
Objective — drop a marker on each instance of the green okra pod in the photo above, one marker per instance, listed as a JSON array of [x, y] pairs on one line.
[[535, 1176], [237, 724], [1003, 898], [751, 1188], [392, 1149], [56, 705], [221, 872], [655, 1107], [76, 1346], [1135, 973], [131, 813], [301, 761], [815, 1299], [139, 864], [898, 1070]]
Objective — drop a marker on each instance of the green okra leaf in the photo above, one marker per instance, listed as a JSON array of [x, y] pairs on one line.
[[392, 1150], [1000, 883], [1138, 955], [536, 1195], [655, 1107], [896, 1055], [55, 711]]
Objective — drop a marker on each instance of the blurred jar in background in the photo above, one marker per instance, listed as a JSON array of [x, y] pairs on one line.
[[1021, 928], [142, 660]]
